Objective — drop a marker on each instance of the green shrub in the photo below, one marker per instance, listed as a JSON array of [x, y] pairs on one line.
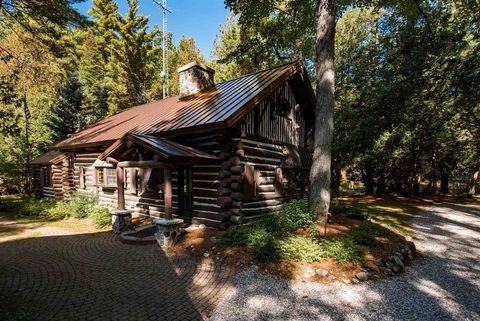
[[100, 215], [59, 211], [356, 213], [266, 248], [293, 215], [32, 206], [81, 204], [236, 236], [366, 233], [336, 207], [342, 249], [301, 249]]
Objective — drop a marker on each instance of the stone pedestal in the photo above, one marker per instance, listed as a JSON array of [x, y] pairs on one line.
[[167, 231], [121, 220]]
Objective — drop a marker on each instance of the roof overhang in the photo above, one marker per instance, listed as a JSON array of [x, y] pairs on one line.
[[52, 157], [166, 149]]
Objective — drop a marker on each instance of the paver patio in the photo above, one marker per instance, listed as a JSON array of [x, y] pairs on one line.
[[95, 277]]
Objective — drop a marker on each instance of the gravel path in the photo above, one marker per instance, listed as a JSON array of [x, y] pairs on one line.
[[443, 285]]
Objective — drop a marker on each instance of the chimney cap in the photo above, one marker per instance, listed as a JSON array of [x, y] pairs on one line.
[[196, 64]]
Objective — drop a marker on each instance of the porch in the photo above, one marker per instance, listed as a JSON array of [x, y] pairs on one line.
[[154, 175]]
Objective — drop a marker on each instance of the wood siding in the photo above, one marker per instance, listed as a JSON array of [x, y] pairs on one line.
[[289, 129]]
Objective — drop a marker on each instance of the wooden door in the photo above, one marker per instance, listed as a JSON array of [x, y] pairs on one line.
[[185, 181]]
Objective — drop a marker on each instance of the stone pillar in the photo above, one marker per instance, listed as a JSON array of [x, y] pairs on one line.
[[168, 232], [121, 220]]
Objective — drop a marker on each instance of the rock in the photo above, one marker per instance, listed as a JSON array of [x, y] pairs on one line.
[[255, 267], [398, 261], [397, 268], [206, 254], [309, 273], [380, 262], [346, 281], [362, 276], [410, 257], [202, 226], [321, 272], [389, 264], [388, 272], [355, 280], [400, 255], [412, 247]]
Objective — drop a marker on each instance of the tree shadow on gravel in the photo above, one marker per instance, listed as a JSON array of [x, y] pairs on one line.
[[444, 285], [96, 277]]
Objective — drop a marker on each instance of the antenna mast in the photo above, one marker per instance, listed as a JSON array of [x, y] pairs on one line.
[[164, 72]]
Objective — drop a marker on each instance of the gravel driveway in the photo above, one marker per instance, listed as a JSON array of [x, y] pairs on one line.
[[443, 285]]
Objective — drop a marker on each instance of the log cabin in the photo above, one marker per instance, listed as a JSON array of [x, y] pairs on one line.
[[216, 154]]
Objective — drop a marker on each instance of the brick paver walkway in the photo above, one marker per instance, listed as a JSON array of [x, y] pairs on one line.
[[95, 277]]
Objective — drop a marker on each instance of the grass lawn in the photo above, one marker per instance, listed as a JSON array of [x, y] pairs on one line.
[[397, 211], [20, 221]]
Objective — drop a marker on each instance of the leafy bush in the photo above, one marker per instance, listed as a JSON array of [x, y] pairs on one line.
[[366, 234], [301, 249], [100, 215], [356, 213], [342, 249], [30, 206], [81, 204], [59, 211], [293, 215], [266, 248], [236, 236], [336, 207]]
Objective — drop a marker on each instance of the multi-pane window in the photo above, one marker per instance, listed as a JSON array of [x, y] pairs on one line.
[[110, 177], [107, 177]]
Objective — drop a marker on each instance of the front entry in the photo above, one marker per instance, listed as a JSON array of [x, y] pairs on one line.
[[185, 182]]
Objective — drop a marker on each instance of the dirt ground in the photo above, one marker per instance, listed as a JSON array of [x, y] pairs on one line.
[[392, 212]]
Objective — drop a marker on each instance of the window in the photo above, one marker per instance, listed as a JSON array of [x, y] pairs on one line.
[[46, 176], [100, 178], [110, 177], [107, 177]]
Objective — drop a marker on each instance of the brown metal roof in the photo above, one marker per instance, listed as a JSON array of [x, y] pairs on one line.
[[221, 106], [49, 158], [159, 145]]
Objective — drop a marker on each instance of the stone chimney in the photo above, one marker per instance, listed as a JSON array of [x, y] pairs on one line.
[[195, 77]]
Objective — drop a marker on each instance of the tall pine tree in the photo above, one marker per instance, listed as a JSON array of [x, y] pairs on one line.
[[133, 62]]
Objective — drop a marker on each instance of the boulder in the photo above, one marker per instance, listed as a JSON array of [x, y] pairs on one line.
[[397, 269], [362, 276], [321, 272], [388, 272]]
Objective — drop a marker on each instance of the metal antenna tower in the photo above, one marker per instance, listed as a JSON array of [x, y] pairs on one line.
[[164, 73]]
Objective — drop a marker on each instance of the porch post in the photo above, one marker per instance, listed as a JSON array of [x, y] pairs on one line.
[[167, 174], [120, 189]]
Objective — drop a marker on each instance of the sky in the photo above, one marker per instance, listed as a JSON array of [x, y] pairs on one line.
[[200, 19]]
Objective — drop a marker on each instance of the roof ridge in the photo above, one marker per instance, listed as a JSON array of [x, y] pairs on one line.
[[259, 71]]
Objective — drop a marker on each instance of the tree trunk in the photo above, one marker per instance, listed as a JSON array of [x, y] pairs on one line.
[[320, 171], [444, 183], [368, 182], [381, 186], [473, 183], [416, 185], [336, 178]]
